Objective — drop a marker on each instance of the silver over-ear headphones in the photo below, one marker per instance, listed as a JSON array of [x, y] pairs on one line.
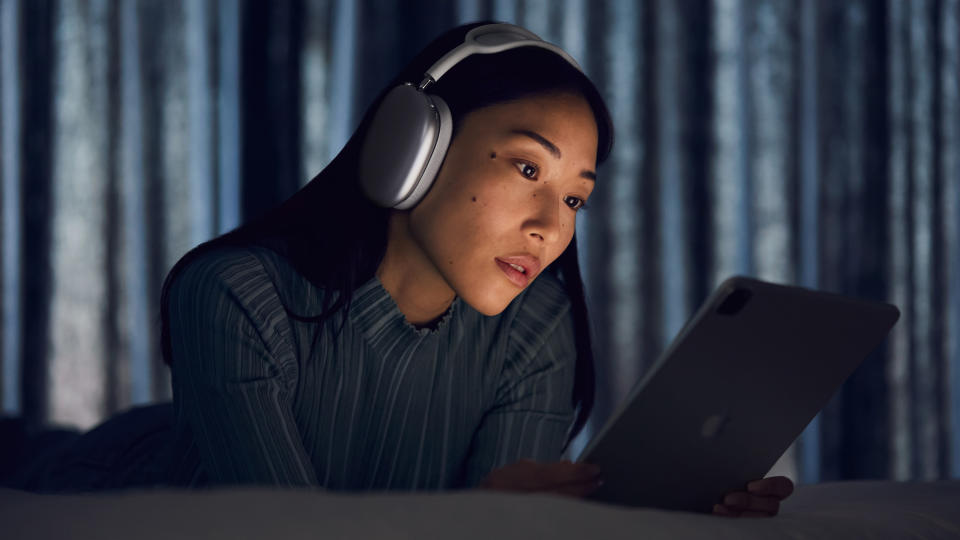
[[410, 131]]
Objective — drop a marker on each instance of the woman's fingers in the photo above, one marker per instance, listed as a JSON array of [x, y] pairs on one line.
[[761, 499], [775, 486]]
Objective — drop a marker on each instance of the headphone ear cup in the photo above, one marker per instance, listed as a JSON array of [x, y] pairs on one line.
[[404, 146], [437, 154]]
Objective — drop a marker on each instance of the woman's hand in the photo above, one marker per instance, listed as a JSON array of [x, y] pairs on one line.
[[561, 477], [762, 498]]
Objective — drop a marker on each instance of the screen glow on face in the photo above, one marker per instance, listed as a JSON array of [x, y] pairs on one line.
[[512, 182]]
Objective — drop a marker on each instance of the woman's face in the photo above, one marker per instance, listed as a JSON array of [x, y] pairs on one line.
[[511, 183]]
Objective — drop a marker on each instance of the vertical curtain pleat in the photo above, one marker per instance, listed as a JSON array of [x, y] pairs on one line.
[[344, 68], [671, 45], [505, 10], [317, 149], [80, 176], [131, 317], [834, 128], [10, 143], [865, 420], [949, 130], [228, 134], [624, 94], [164, 238], [36, 79], [270, 81], [772, 164], [728, 183], [920, 111], [170, 69], [379, 49], [898, 368], [573, 35], [772, 81], [468, 11], [200, 162], [809, 194], [852, 232], [843, 147], [537, 17]]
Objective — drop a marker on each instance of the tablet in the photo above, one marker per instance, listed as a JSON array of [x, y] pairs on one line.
[[734, 389]]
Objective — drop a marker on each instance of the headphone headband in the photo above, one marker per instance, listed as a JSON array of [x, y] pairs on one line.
[[488, 39]]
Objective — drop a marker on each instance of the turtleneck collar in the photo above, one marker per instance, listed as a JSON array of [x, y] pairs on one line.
[[379, 319]]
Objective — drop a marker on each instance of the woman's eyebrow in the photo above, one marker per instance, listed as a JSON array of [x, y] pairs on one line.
[[552, 148]]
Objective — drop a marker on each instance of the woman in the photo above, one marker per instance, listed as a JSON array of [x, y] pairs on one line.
[[445, 366], [335, 342]]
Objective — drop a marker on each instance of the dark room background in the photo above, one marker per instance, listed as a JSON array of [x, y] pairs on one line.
[[814, 143]]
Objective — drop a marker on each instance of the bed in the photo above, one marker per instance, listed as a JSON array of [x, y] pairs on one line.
[[861, 509]]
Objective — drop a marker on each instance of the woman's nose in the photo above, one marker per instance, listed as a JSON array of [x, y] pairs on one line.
[[546, 218]]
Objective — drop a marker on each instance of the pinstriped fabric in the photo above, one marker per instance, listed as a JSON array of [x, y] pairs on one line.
[[382, 405], [231, 375]]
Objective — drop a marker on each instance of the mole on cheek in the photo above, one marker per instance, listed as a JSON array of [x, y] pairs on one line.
[[474, 199], [493, 155]]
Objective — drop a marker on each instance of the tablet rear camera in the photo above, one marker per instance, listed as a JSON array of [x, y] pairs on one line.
[[734, 302]]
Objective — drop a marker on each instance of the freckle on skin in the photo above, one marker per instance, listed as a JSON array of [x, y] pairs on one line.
[[474, 199], [493, 155]]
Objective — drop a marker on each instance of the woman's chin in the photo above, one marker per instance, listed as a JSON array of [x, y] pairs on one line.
[[492, 303]]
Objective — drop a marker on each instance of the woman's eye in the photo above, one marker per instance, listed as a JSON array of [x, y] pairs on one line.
[[524, 167], [581, 204]]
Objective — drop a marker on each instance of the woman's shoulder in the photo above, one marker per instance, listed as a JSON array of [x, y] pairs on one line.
[[251, 273], [236, 265]]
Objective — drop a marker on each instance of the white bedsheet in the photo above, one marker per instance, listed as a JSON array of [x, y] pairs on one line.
[[830, 510]]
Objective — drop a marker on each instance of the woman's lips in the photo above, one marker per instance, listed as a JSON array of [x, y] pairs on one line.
[[518, 278]]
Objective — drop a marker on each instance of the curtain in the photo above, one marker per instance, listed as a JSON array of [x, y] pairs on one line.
[[808, 143]]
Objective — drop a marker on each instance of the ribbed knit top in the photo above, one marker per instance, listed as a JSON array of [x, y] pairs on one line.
[[381, 405]]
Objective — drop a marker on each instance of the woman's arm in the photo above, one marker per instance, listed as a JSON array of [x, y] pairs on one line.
[[231, 374], [533, 411]]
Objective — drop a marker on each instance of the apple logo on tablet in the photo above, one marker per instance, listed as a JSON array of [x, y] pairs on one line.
[[713, 425]]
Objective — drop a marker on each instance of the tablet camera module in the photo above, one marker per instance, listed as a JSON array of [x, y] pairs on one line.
[[735, 302]]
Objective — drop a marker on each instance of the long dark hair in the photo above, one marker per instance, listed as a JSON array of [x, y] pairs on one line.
[[336, 238]]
